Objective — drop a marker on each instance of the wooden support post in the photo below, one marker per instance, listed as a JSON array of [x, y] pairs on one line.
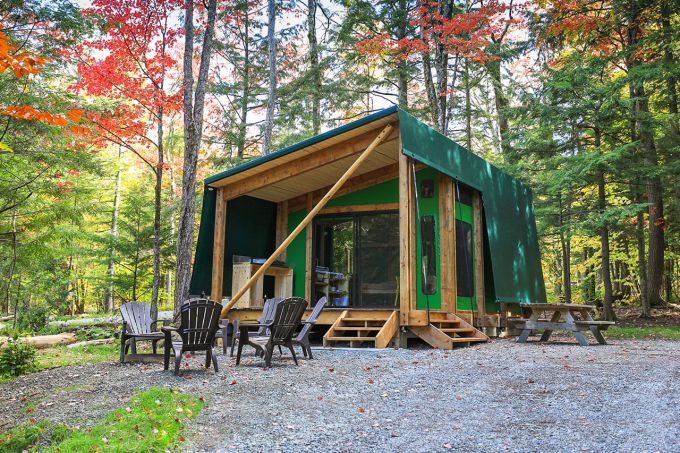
[[407, 241], [308, 218], [447, 243], [309, 271], [479, 254], [218, 247], [281, 224]]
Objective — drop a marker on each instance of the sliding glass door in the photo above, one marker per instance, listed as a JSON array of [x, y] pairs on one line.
[[360, 251]]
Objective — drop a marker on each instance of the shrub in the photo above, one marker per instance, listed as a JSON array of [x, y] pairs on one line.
[[32, 318], [17, 358]]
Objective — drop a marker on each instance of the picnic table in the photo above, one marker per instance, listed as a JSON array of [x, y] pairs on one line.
[[571, 317]]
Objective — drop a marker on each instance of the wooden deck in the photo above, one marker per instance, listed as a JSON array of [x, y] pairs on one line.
[[379, 327]]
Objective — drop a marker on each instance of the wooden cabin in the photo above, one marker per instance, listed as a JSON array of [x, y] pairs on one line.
[[421, 239]]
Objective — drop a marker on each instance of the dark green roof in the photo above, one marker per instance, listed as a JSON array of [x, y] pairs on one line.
[[303, 144]]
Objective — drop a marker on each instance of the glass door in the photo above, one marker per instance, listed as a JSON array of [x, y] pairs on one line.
[[357, 259], [377, 271]]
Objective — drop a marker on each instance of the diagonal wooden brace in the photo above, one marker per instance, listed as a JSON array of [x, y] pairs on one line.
[[319, 206]]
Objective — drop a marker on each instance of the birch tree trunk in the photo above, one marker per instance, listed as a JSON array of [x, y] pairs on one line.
[[193, 131], [113, 234], [271, 89]]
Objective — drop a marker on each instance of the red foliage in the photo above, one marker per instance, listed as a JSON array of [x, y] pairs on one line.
[[466, 34], [130, 63]]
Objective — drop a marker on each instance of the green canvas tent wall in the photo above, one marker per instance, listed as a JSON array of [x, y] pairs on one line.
[[511, 242]]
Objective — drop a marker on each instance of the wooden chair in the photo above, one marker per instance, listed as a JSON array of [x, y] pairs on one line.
[[302, 337], [286, 321], [198, 322], [267, 315], [137, 325]]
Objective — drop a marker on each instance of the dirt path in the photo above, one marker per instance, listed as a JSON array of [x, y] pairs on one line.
[[495, 397]]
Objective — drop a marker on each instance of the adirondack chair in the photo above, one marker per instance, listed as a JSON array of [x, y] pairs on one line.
[[287, 317], [198, 322], [302, 338], [137, 325], [266, 317]]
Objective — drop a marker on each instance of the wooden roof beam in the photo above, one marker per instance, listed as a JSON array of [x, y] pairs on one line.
[[362, 181], [305, 163]]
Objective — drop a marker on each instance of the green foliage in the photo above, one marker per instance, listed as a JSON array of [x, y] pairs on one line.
[[17, 358], [32, 318], [153, 421]]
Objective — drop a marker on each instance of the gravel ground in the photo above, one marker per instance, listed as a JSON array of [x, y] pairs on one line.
[[500, 396]]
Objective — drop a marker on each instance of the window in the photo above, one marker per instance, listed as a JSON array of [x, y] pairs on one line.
[[428, 255], [464, 262]]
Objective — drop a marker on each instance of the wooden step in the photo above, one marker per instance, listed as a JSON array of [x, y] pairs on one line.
[[457, 329], [468, 340], [356, 328], [446, 321], [378, 328], [440, 334], [350, 338]]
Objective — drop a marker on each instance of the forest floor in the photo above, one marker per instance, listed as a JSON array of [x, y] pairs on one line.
[[500, 396]]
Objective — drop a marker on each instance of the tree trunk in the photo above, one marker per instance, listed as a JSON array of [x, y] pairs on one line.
[[193, 132], [441, 65], [113, 234], [655, 258], [173, 224], [642, 262], [645, 132], [669, 62], [608, 301], [158, 207], [245, 91], [402, 65], [565, 241], [13, 263], [271, 86], [493, 68], [468, 109], [314, 67]]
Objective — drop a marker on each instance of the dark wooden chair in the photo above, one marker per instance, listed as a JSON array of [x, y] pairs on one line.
[[267, 315], [302, 338], [137, 325], [198, 321], [281, 329]]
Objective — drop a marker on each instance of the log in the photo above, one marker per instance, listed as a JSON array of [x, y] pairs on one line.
[[46, 341], [284, 245], [91, 342]]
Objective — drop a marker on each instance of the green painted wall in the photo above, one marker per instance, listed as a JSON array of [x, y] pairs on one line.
[[388, 192]]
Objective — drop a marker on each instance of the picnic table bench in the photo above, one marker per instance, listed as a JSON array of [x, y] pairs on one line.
[[571, 317]]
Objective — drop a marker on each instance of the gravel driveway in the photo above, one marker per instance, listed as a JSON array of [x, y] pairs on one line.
[[500, 396]]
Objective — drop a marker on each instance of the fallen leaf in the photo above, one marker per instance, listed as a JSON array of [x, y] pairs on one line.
[[188, 376], [189, 413], [361, 410], [128, 409], [370, 381], [180, 409], [233, 382], [459, 397], [531, 381], [331, 369], [181, 438]]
